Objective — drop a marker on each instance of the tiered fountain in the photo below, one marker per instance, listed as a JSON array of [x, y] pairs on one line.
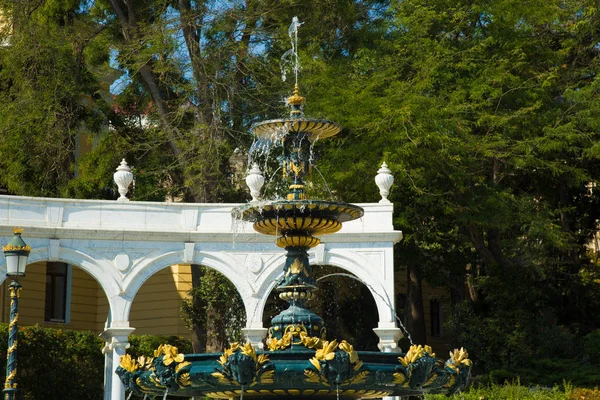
[[300, 361]]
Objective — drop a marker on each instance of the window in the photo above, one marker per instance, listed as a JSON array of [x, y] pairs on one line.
[[58, 292], [436, 317]]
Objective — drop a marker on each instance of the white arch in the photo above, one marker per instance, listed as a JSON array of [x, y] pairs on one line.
[[109, 283], [358, 265], [105, 277], [349, 261], [222, 263], [274, 271], [92, 233]]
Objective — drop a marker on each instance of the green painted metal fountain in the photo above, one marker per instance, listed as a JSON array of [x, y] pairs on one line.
[[300, 362]]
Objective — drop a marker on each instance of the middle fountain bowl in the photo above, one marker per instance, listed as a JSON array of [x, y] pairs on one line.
[[297, 222]]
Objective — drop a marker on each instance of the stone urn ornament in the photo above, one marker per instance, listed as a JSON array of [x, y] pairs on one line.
[[123, 178], [255, 181], [384, 181]]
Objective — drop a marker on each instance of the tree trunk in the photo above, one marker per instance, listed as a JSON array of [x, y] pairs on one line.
[[199, 337], [414, 313], [457, 287], [126, 14]]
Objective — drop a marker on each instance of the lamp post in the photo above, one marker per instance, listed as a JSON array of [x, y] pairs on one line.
[[16, 253]]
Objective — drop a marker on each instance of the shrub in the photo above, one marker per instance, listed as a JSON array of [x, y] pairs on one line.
[[591, 347], [56, 364], [549, 372], [585, 394], [144, 345], [511, 391]]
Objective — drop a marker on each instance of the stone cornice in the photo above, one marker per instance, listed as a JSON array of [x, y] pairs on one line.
[[171, 222]]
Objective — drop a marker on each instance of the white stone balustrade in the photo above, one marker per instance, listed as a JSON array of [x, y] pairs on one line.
[[122, 244]]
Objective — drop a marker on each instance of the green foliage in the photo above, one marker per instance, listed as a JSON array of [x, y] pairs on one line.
[[585, 394], [69, 362], [548, 372], [591, 347], [487, 113], [214, 306], [47, 94], [512, 391]]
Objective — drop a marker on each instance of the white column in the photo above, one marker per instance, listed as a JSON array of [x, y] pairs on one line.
[[388, 339], [108, 369], [388, 331], [255, 335], [116, 346]]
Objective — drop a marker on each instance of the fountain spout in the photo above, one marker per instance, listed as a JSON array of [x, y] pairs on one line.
[[296, 103]]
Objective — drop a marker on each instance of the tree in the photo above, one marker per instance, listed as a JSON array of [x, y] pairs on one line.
[[199, 74], [206, 70], [488, 112], [47, 92]]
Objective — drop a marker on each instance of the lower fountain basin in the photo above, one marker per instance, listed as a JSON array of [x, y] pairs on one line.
[[331, 371]]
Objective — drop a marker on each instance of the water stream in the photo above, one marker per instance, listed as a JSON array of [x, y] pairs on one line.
[[331, 196], [378, 295], [289, 59]]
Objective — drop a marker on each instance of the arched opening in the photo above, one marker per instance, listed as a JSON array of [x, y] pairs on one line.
[[155, 309], [62, 308], [60, 295], [345, 303], [193, 301]]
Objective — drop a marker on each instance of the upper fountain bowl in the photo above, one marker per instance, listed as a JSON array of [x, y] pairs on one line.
[[314, 128]]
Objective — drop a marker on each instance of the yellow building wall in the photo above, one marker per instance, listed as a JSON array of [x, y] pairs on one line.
[[31, 301], [88, 302], [155, 309]]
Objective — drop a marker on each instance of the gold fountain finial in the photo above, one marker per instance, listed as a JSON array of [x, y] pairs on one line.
[[296, 99], [17, 230]]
